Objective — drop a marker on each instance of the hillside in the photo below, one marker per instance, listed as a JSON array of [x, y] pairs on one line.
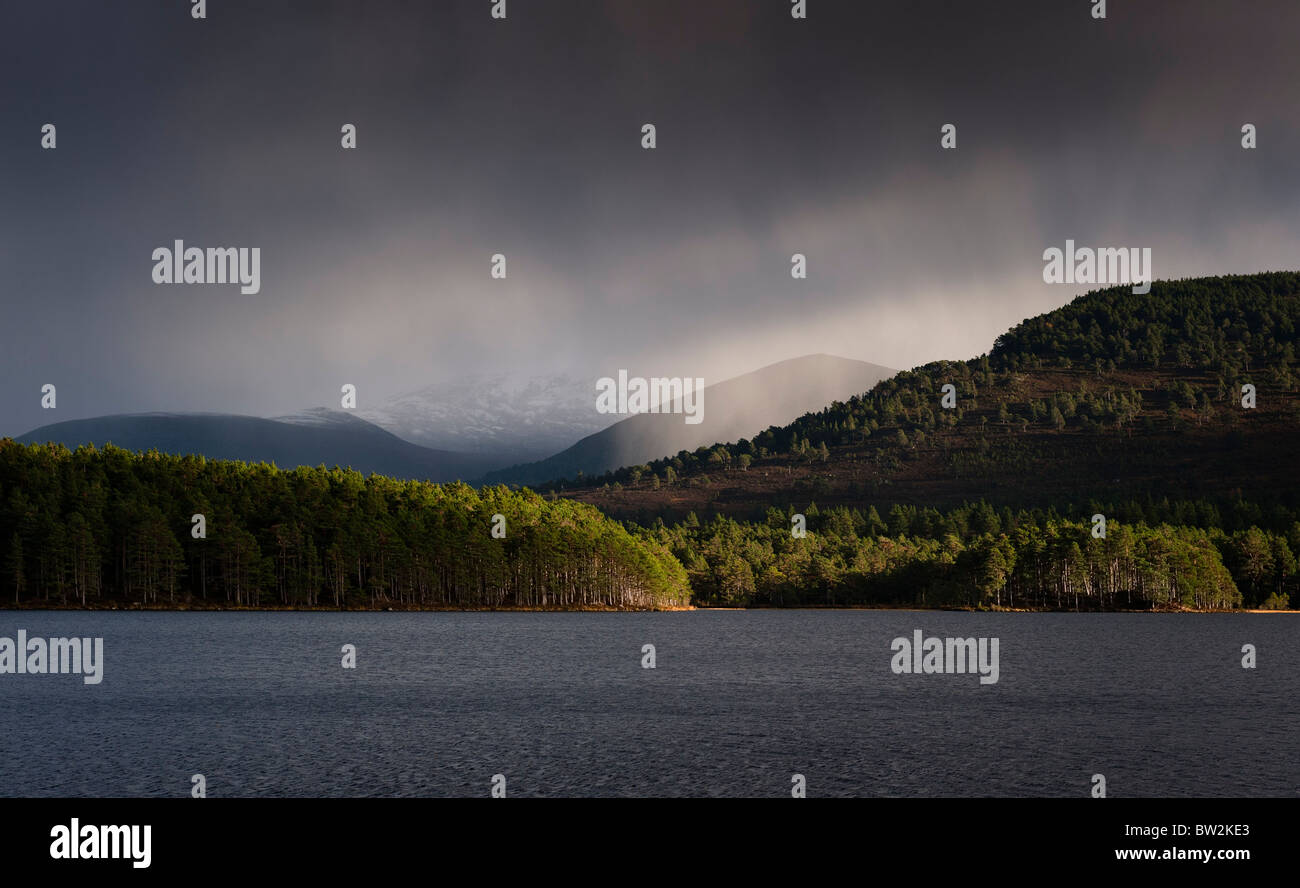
[[734, 408], [1113, 397], [1123, 407], [315, 437]]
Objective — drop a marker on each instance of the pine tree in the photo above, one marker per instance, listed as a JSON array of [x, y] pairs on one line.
[[15, 568]]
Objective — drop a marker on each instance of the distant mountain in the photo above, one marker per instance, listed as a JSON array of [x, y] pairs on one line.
[[1115, 401], [510, 418], [736, 408], [314, 437]]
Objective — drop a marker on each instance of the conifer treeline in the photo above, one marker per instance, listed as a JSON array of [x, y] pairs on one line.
[[975, 556], [97, 526]]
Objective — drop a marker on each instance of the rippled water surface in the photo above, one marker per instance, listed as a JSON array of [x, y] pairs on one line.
[[739, 701]]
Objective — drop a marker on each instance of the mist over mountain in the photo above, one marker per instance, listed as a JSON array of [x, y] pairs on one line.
[[464, 428], [734, 409], [508, 417], [314, 437], [1187, 394]]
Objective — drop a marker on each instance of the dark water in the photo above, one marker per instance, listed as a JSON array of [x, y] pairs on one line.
[[739, 701]]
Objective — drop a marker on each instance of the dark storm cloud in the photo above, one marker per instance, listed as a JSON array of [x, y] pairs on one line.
[[522, 137]]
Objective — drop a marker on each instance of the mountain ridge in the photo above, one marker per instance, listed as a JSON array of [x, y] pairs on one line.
[[733, 408], [513, 418], [1111, 396], [319, 437]]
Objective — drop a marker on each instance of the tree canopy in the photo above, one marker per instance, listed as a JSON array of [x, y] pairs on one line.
[[91, 525]]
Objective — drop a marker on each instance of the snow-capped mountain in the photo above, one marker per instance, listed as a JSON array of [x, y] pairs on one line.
[[737, 408], [510, 417]]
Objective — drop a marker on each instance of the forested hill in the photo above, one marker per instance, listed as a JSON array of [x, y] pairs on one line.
[[94, 528], [1115, 397], [1117, 406], [1122, 407]]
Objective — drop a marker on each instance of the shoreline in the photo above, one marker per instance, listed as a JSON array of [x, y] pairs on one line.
[[193, 608]]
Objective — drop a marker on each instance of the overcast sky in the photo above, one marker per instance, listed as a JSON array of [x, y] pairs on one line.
[[523, 137]]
